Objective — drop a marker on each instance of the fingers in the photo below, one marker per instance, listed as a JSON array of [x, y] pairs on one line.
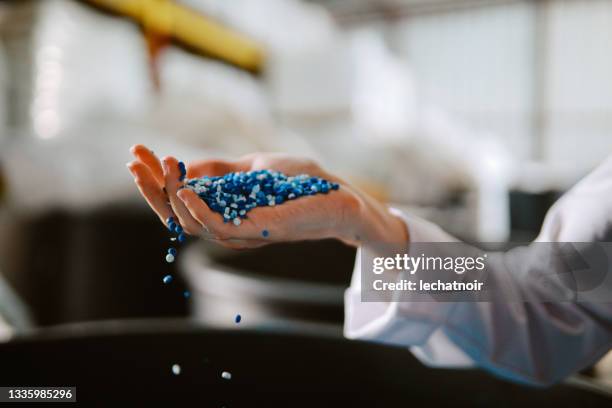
[[147, 157], [173, 183], [211, 221], [150, 190]]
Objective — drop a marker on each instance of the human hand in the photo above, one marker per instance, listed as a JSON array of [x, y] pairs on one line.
[[345, 214]]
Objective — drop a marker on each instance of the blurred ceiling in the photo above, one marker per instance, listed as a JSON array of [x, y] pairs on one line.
[[357, 11]]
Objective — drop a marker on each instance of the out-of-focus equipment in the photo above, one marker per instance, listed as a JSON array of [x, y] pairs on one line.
[[2, 186], [303, 366], [197, 32], [12, 309]]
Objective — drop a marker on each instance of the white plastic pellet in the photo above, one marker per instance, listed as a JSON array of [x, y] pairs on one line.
[[226, 375]]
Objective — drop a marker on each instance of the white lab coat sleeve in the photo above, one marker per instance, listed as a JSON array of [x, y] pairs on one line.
[[532, 342], [395, 322]]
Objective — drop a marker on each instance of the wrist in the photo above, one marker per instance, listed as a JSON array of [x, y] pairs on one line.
[[368, 220]]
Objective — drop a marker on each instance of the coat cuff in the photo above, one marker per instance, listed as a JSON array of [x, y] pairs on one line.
[[400, 323]]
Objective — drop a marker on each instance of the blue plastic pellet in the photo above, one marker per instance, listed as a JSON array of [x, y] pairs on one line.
[[178, 229], [172, 226], [182, 170], [167, 279], [238, 318], [265, 233], [181, 238], [186, 294], [172, 251]]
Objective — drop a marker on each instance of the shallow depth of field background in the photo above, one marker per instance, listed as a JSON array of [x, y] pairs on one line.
[[474, 114]]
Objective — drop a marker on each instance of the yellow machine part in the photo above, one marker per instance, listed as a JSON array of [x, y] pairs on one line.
[[191, 28]]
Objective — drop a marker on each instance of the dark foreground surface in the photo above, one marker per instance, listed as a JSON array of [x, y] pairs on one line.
[[131, 363]]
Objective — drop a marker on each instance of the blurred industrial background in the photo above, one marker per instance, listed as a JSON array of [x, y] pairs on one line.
[[475, 114]]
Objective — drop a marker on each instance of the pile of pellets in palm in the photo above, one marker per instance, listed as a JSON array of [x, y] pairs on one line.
[[233, 195]]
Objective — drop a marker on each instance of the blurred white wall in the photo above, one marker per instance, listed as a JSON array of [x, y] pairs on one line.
[[88, 68], [578, 89], [476, 64], [536, 76]]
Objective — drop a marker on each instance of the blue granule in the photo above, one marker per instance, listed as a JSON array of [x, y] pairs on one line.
[[182, 170], [235, 194], [186, 294], [265, 233], [238, 318], [167, 279], [171, 224], [172, 251], [181, 237]]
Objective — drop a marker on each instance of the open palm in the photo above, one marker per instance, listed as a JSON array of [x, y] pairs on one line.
[[311, 217]]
